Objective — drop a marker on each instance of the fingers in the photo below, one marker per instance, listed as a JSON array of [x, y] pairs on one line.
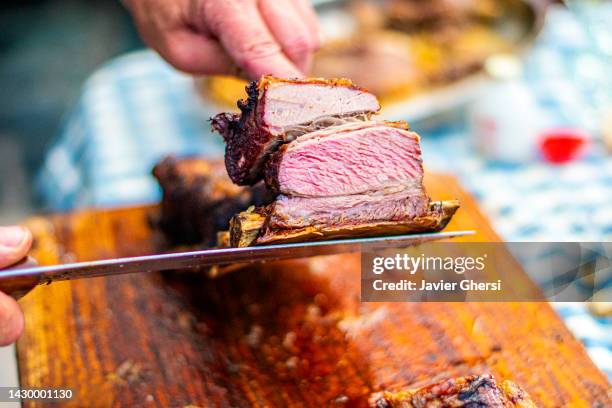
[[210, 37], [246, 38], [15, 243], [163, 27], [194, 53], [291, 31], [11, 320], [307, 12]]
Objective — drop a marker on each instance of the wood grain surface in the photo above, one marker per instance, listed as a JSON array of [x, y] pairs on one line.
[[285, 334]]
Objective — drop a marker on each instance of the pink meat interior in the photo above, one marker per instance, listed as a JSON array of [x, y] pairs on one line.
[[372, 158], [297, 212], [288, 104]]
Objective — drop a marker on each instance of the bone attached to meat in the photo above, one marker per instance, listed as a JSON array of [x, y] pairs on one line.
[[251, 227]]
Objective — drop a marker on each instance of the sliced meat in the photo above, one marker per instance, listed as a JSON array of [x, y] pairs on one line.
[[278, 110], [472, 391], [337, 173], [298, 212], [355, 158]]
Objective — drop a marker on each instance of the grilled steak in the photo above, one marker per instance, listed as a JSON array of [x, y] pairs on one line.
[[472, 391], [336, 172], [199, 199], [278, 110]]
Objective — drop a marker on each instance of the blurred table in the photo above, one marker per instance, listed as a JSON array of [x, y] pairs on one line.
[[136, 109]]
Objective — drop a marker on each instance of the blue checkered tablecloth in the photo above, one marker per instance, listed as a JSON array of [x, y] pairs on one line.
[[136, 109]]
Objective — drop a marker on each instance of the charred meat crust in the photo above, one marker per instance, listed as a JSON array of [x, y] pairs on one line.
[[248, 140], [245, 137], [226, 124], [471, 391], [199, 200], [251, 227], [271, 170], [246, 145], [255, 87]]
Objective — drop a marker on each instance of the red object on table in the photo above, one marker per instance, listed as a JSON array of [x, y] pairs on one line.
[[562, 145]]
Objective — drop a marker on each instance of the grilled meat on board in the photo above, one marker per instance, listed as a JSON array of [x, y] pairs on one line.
[[337, 172], [469, 392], [199, 199]]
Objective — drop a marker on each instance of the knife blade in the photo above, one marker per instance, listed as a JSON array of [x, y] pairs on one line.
[[21, 278]]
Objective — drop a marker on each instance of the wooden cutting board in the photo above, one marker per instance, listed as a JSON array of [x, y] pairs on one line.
[[286, 334]]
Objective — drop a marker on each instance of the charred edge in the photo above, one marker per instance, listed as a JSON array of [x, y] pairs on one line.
[[230, 126], [245, 228], [445, 210], [257, 170], [472, 393], [226, 124], [271, 170], [198, 200], [265, 81], [248, 106], [233, 127], [251, 227], [433, 394]]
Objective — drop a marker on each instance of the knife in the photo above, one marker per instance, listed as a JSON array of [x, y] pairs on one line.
[[21, 278]]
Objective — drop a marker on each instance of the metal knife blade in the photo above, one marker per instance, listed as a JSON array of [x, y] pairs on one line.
[[22, 277]]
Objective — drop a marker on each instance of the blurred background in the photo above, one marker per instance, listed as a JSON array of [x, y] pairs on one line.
[[47, 50]]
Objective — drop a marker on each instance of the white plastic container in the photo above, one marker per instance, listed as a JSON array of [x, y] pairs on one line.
[[504, 119]]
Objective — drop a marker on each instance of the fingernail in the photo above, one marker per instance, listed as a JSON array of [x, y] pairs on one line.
[[13, 237]]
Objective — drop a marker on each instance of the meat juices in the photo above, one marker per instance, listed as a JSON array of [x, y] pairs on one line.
[[335, 170]]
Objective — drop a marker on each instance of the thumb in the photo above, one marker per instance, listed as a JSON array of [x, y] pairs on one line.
[[15, 243], [11, 320]]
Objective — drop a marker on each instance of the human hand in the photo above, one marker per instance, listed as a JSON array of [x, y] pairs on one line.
[[15, 243], [215, 37]]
